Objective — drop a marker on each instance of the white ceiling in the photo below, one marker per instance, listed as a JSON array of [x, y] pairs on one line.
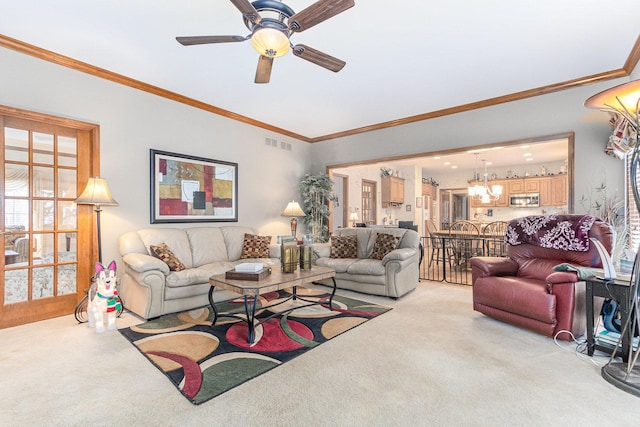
[[404, 60]]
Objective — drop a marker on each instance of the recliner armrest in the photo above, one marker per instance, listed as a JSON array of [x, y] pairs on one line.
[[562, 277], [493, 266]]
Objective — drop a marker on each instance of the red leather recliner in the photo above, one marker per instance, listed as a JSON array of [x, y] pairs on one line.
[[523, 289]]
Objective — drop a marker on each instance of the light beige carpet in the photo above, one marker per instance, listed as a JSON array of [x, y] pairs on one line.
[[431, 361]]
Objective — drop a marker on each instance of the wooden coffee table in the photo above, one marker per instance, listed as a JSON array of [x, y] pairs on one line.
[[277, 280]]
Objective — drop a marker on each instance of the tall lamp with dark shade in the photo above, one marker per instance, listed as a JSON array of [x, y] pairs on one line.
[[293, 210], [624, 100], [97, 193]]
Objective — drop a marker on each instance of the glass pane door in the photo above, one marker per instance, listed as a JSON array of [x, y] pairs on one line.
[[39, 185]]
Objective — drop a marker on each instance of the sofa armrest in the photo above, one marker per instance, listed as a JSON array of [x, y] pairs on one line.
[[493, 266], [322, 250], [400, 255], [141, 263]]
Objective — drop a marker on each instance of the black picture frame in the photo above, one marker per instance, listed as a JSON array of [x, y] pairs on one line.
[[188, 188]]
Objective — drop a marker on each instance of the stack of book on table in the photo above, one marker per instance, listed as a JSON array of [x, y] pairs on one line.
[[248, 271]]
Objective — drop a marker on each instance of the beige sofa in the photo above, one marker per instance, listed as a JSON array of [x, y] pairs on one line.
[[149, 289], [393, 276]]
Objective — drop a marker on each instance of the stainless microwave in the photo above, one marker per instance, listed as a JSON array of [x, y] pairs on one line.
[[529, 200]]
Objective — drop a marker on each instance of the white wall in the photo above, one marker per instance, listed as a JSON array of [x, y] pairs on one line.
[[540, 116], [131, 122]]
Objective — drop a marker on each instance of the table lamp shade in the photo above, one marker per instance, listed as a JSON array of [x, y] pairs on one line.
[[293, 210]]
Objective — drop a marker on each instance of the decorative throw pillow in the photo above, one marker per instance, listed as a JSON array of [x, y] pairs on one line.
[[163, 253], [344, 247], [255, 246], [385, 243]]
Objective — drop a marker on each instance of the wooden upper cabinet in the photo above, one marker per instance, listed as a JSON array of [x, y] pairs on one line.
[[515, 186], [559, 190], [545, 191], [392, 191], [429, 190]]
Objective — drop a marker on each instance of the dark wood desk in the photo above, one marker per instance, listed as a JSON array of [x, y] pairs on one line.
[[618, 290]]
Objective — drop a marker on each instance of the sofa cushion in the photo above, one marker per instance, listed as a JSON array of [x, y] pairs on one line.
[[234, 239], [255, 246], [163, 253], [344, 247], [384, 244], [340, 265], [175, 238], [371, 267], [207, 245]]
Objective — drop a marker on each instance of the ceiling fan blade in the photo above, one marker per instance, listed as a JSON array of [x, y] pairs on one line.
[[318, 12], [318, 58], [263, 72], [191, 40], [247, 10]]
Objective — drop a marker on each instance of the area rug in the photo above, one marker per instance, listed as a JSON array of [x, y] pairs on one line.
[[204, 361]]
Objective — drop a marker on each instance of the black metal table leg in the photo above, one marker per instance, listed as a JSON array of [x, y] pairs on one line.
[[251, 328], [213, 306], [333, 292]]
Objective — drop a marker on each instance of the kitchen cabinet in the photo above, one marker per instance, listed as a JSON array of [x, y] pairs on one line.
[[559, 190], [392, 191], [429, 190], [546, 198], [523, 185]]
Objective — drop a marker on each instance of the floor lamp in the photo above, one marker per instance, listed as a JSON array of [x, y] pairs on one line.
[[624, 100], [97, 193]]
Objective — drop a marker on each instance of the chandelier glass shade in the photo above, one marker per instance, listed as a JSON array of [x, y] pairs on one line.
[[483, 192]]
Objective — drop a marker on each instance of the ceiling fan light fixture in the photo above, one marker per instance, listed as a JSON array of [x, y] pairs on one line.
[[270, 42]]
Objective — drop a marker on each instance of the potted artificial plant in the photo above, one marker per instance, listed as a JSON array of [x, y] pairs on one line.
[[317, 191]]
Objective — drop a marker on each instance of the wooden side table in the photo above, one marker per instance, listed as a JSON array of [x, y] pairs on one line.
[[618, 290]]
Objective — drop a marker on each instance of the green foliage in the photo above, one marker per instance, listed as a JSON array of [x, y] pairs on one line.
[[317, 191], [610, 209]]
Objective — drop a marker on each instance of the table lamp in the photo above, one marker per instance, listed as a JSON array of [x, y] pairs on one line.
[[353, 217], [293, 210]]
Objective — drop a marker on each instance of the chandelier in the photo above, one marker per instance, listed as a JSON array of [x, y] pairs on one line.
[[482, 192]]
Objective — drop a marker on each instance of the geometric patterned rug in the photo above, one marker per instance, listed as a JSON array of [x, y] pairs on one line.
[[204, 361]]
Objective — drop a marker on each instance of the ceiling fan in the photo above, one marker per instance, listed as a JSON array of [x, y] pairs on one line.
[[271, 23]]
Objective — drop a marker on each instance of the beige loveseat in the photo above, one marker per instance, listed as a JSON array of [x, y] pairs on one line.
[[149, 289], [393, 276]]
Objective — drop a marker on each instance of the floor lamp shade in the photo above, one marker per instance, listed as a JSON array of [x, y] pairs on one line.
[[624, 100], [97, 193], [293, 210]]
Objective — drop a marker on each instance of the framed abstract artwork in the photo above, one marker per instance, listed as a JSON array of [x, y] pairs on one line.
[[192, 189]]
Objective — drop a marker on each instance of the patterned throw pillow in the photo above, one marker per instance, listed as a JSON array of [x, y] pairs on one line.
[[255, 246], [163, 253], [385, 243], [344, 247]]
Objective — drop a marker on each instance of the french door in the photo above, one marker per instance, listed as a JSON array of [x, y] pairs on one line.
[[45, 165]]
